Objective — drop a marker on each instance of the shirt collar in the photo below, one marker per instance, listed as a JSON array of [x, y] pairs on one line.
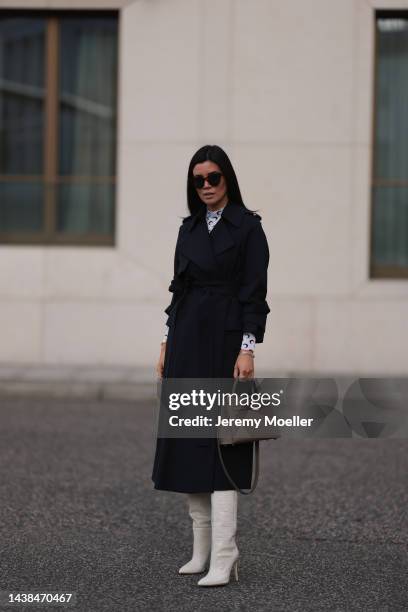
[[214, 213]]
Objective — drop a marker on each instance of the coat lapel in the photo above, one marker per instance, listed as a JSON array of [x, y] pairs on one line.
[[221, 237], [200, 246], [195, 244]]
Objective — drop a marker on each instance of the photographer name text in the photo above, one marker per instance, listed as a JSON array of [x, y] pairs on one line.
[[273, 421]]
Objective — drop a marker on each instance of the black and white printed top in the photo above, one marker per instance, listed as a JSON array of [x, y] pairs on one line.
[[212, 217]]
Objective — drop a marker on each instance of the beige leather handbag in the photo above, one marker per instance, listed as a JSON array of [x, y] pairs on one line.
[[240, 434]]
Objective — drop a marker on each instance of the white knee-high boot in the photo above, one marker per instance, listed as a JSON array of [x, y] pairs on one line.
[[224, 551], [199, 506]]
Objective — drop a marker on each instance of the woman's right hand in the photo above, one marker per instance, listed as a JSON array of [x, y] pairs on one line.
[[160, 363]]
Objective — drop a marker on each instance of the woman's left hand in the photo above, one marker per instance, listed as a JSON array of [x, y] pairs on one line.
[[244, 366]]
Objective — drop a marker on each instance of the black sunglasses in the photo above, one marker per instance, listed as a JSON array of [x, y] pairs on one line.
[[213, 178]]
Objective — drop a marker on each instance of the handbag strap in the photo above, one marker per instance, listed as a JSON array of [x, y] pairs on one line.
[[255, 469]]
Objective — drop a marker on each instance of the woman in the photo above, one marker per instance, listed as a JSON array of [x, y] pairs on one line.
[[217, 314]]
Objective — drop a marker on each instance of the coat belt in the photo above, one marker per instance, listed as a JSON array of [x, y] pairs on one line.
[[212, 318]]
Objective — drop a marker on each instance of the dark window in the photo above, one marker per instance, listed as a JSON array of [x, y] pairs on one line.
[[389, 230], [58, 110]]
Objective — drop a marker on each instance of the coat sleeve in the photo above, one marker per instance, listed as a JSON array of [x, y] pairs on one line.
[[174, 285], [253, 282]]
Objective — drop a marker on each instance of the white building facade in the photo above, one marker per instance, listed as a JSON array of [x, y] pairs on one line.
[[288, 89]]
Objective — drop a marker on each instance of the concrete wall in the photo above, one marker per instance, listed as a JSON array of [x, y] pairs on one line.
[[286, 88]]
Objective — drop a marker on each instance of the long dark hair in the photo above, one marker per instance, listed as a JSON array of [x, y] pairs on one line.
[[217, 155]]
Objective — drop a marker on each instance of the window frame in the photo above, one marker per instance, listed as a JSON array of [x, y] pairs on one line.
[[49, 178], [380, 271]]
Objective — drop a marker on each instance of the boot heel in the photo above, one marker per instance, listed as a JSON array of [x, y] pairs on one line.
[[224, 550]]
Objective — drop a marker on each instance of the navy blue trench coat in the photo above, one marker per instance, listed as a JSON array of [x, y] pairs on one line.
[[219, 291]]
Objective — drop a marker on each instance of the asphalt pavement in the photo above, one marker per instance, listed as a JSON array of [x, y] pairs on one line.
[[326, 528]]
